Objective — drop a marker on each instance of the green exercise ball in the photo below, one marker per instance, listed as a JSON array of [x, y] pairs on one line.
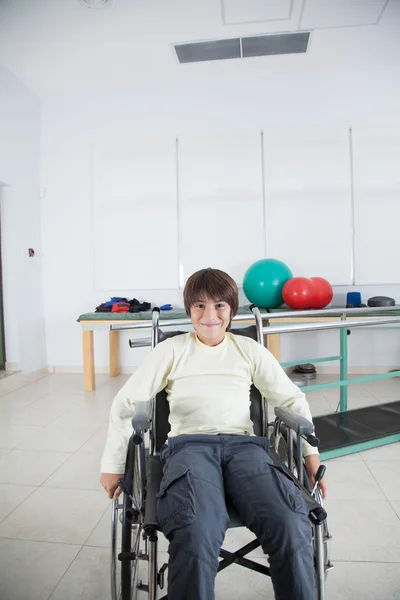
[[264, 280]]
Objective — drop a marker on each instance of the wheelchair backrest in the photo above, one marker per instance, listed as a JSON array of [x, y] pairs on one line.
[[161, 426]]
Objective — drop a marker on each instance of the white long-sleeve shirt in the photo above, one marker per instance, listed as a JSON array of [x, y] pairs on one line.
[[208, 389]]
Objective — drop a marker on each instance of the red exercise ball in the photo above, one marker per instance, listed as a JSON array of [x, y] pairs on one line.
[[322, 292], [297, 293]]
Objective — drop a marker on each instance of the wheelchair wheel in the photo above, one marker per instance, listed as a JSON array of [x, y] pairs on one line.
[[326, 536], [278, 441], [127, 586]]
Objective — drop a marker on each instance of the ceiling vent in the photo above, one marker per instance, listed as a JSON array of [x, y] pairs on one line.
[[95, 3], [245, 47], [202, 51]]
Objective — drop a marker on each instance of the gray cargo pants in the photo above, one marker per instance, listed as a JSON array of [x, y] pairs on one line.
[[198, 471]]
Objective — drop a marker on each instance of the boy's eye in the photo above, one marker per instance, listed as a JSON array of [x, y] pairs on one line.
[[201, 305]]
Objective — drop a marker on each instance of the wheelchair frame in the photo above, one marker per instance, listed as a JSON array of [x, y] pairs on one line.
[[139, 540]]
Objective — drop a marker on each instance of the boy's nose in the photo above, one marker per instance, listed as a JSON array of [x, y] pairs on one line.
[[210, 312]]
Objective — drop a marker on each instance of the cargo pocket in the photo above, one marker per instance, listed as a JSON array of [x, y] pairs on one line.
[[289, 489], [175, 500]]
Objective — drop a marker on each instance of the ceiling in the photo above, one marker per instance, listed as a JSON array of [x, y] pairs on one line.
[[61, 47]]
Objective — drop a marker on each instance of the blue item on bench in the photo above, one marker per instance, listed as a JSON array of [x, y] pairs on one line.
[[166, 307], [353, 298], [113, 301]]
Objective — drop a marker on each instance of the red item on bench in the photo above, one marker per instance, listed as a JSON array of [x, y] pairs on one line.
[[120, 307]]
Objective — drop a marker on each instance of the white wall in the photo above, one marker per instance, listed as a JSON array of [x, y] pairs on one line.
[[194, 102], [21, 225]]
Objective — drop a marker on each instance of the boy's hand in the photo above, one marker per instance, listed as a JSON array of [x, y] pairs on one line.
[[109, 481], [312, 463]]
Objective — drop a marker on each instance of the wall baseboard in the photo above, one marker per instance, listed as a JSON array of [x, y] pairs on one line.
[[17, 380]]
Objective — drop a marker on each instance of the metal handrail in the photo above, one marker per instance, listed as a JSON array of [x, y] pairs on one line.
[[279, 329], [267, 316], [331, 311], [178, 322], [332, 325]]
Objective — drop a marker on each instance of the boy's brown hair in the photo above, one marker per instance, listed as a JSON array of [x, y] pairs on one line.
[[213, 284]]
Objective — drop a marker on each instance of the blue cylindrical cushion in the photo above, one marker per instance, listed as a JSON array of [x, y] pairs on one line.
[[353, 298]]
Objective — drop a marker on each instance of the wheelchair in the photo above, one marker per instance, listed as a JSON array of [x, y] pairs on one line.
[[137, 513]]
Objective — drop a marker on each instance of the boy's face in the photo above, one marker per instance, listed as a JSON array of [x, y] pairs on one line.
[[210, 319]]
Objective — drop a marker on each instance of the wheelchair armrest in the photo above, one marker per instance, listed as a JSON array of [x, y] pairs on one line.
[[299, 424], [141, 421]]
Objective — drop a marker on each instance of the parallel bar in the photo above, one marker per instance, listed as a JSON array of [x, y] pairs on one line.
[[330, 325], [298, 328], [185, 321], [332, 384], [270, 316], [390, 439], [293, 363], [331, 312]]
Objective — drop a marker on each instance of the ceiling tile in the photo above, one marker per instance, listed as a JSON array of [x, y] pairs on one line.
[[249, 11], [340, 13]]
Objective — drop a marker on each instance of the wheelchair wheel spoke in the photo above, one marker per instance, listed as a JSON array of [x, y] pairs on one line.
[[137, 536]]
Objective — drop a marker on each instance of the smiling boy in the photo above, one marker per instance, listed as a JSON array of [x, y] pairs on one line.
[[212, 452]]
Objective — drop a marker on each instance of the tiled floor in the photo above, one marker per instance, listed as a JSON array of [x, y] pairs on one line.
[[4, 373], [54, 515]]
